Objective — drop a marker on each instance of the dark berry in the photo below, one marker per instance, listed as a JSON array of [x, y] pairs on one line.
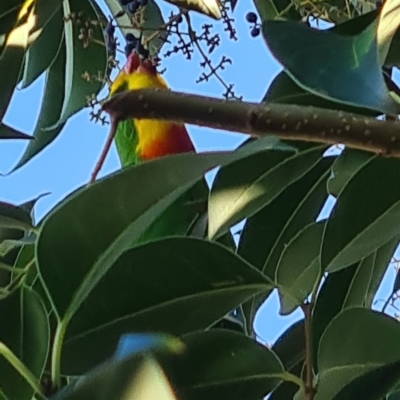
[[124, 2], [251, 17], [179, 19], [255, 31], [129, 47], [130, 37], [111, 46], [133, 6], [109, 29]]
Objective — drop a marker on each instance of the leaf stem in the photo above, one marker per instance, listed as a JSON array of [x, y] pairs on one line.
[[21, 368], [56, 354], [309, 388]]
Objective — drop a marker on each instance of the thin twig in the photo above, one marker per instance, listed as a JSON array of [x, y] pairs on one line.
[[106, 149], [193, 38]]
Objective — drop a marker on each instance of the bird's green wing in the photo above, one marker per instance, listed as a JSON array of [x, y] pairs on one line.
[[126, 140]]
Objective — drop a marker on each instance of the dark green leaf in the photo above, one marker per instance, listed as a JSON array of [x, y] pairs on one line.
[[14, 217], [369, 275], [43, 52], [339, 68], [153, 20], [287, 390], [358, 227], [276, 9], [284, 90], [176, 285], [353, 286], [381, 261], [345, 166], [349, 349], [290, 346], [50, 110], [232, 199], [330, 300], [373, 385], [265, 234], [83, 237], [26, 333], [86, 62], [299, 267], [7, 132]]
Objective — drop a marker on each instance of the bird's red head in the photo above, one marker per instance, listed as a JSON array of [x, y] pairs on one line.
[[135, 63]]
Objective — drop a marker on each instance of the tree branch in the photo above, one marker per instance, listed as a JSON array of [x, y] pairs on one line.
[[286, 121]]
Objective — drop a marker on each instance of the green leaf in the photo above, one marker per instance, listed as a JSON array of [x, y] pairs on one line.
[[95, 225], [349, 287], [290, 346], [180, 218], [233, 198], [265, 234], [124, 21], [277, 9], [358, 227], [43, 52], [50, 110], [299, 267], [382, 259], [287, 389], [249, 370], [87, 61], [153, 20], [175, 285], [14, 217], [373, 385], [369, 275], [12, 56], [330, 300], [284, 90], [216, 364], [351, 74], [26, 333], [345, 166], [7, 132], [349, 349]]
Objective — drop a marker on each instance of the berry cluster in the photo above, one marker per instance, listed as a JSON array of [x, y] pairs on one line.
[[131, 6], [135, 44], [252, 18], [109, 32]]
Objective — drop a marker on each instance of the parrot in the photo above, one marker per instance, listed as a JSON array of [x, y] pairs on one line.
[[141, 140]]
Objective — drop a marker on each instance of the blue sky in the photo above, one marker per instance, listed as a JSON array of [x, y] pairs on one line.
[[67, 163]]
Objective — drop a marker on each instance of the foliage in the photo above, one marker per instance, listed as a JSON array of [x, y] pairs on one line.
[[95, 306]]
